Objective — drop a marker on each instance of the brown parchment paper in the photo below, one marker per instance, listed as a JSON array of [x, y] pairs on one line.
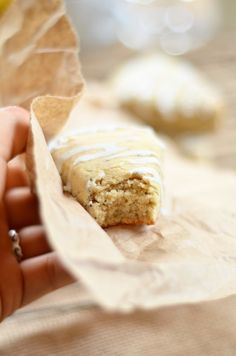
[[38, 52], [188, 256]]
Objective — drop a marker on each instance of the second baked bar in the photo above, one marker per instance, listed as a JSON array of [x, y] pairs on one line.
[[168, 94]]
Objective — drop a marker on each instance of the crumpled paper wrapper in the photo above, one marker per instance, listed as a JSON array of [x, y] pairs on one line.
[[38, 52], [188, 256]]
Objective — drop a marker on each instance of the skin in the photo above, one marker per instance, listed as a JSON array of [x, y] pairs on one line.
[[40, 271]]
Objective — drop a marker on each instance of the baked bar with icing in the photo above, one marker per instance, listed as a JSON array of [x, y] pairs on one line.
[[115, 173], [169, 94]]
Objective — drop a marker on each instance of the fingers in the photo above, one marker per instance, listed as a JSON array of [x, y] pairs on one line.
[[14, 125], [16, 174], [42, 275], [3, 176], [33, 241], [21, 208], [4, 240]]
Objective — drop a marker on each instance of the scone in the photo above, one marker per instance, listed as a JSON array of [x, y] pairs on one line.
[[168, 94], [115, 173]]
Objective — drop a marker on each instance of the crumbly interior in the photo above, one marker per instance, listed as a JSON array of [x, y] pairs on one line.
[[131, 201], [115, 174]]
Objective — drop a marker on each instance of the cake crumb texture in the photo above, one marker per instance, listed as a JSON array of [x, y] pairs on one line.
[[115, 173]]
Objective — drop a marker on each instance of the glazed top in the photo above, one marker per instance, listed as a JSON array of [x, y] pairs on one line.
[[111, 154]]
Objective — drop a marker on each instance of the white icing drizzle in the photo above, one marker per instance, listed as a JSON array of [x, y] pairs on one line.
[[134, 153], [138, 160], [169, 85], [108, 150], [146, 171], [152, 175], [146, 160], [73, 134]]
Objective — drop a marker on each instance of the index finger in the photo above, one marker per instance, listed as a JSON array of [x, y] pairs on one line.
[[14, 125]]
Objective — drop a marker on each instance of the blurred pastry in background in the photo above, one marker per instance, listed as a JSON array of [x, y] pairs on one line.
[[168, 94]]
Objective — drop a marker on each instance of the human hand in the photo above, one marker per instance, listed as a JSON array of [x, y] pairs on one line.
[[40, 270]]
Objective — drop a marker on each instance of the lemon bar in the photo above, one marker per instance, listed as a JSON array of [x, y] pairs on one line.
[[168, 94], [115, 173]]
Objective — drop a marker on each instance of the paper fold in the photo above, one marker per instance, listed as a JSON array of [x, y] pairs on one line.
[[188, 256]]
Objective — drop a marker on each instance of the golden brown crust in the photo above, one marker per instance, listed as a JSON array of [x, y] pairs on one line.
[[114, 174]]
